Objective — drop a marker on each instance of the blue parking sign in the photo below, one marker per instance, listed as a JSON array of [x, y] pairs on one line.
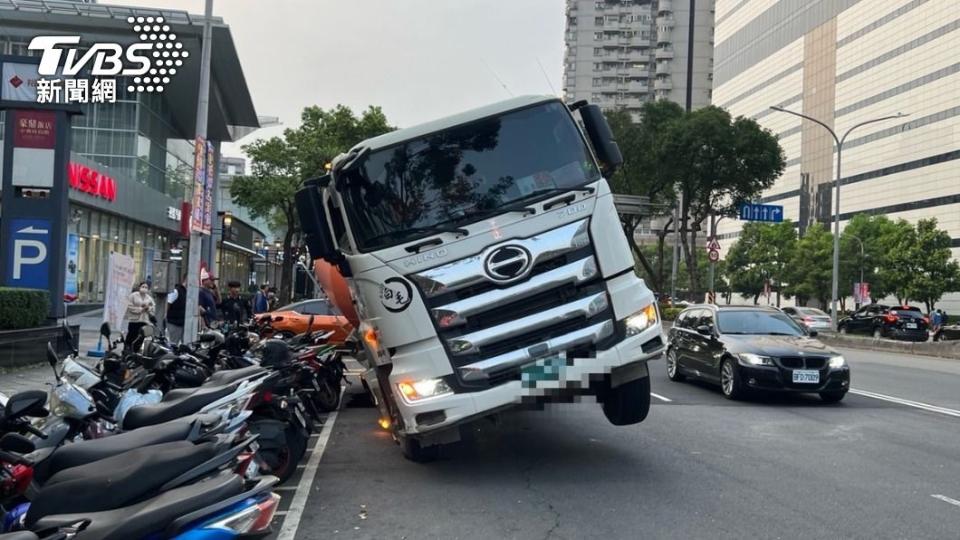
[[28, 263]]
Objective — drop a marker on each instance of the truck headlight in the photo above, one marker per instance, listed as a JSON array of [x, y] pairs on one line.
[[837, 361], [426, 388], [641, 320], [751, 359]]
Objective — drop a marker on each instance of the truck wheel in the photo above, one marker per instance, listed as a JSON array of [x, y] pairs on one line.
[[414, 451], [628, 403]]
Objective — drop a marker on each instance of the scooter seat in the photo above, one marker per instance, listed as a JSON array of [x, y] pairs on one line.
[[117, 481], [83, 452], [229, 376], [175, 404], [151, 516]]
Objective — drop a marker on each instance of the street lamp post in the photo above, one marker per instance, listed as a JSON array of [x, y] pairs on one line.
[[836, 186]]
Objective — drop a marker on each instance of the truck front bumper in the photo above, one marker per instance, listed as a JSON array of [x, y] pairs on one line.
[[619, 364]]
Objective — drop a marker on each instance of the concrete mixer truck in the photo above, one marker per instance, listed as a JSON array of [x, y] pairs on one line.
[[483, 263]]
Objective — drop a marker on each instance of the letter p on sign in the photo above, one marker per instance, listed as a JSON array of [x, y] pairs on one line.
[[28, 264]]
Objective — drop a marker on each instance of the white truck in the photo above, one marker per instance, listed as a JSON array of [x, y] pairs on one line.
[[487, 267]]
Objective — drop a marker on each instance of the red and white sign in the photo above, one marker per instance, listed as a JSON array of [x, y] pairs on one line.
[[35, 129], [19, 82], [91, 182], [713, 255], [713, 245]]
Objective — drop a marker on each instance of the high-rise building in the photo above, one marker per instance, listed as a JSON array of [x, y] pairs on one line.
[[622, 53], [845, 62]]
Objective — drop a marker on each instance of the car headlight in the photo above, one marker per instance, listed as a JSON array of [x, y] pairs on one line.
[[426, 388], [751, 359], [641, 320], [837, 361]]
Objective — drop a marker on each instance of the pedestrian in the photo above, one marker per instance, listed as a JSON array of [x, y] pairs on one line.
[[234, 308], [260, 304], [140, 306], [176, 312], [272, 299], [207, 299]]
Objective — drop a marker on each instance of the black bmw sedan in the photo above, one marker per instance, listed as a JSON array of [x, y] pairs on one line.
[[753, 348]]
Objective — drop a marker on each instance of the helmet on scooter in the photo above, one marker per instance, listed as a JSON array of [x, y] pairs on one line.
[[275, 352]]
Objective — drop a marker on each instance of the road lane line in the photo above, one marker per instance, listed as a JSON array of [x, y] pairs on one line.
[[907, 402], [947, 500], [291, 521], [661, 398]]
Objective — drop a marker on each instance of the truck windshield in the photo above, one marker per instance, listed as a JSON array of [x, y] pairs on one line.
[[461, 175]]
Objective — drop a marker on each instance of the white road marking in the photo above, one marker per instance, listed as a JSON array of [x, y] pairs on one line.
[[661, 398], [291, 520], [946, 499], [907, 402]]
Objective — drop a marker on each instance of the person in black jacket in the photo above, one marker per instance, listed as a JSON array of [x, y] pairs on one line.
[[176, 312], [234, 308]]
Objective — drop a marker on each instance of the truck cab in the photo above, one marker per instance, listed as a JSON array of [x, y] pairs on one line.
[[487, 268]]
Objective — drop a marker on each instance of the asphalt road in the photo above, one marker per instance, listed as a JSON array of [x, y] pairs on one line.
[[699, 467]]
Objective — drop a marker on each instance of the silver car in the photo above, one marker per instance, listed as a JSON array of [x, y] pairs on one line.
[[810, 318]]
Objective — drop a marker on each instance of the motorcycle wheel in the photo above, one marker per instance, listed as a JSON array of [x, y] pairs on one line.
[[327, 398], [282, 462]]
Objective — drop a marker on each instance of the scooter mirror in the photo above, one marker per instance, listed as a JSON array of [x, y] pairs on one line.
[[52, 357], [105, 330]]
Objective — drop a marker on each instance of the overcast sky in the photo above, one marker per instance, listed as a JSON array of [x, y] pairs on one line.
[[418, 59]]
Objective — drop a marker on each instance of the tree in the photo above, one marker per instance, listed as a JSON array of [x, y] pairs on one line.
[[279, 166], [935, 273], [810, 272], [718, 164], [643, 175], [761, 255], [897, 264]]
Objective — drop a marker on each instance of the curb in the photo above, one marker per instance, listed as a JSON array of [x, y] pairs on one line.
[[943, 349]]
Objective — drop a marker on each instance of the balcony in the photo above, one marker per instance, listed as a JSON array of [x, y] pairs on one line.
[[665, 6], [637, 87], [634, 73], [662, 84], [664, 54], [663, 68], [666, 22], [630, 103]]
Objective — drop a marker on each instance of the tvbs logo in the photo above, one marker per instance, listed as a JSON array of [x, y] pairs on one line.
[[81, 74]]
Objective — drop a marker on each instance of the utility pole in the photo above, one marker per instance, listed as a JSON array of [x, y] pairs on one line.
[[676, 250], [203, 104]]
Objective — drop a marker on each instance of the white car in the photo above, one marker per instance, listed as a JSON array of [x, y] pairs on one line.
[[810, 318]]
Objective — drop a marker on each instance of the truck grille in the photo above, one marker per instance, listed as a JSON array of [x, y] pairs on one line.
[[490, 328]]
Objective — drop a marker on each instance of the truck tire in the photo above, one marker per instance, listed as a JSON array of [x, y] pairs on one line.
[[414, 451], [628, 403]]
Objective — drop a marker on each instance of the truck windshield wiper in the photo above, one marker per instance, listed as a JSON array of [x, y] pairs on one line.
[[524, 205]]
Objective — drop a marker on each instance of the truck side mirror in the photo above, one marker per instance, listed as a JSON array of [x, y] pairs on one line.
[[313, 220], [601, 137]]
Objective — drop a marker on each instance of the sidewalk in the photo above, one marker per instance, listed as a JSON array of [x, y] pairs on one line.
[[37, 376]]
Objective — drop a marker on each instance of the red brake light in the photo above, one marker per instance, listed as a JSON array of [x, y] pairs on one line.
[[808, 319], [890, 318], [267, 509]]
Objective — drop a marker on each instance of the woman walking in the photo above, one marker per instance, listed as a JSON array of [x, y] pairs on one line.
[[140, 307]]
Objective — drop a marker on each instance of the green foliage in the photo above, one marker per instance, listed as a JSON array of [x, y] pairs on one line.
[[809, 273], [279, 165], [761, 254], [23, 308], [934, 271], [670, 313]]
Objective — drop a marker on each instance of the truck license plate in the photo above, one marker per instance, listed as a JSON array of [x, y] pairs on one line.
[[545, 369], [811, 376]]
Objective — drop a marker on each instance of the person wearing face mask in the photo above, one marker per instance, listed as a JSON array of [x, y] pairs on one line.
[[140, 307]]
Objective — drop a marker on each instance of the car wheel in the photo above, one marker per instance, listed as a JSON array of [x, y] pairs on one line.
[[832, 397], [730, 383], [628, 403], [673, 367], [877, 333], [414, 451]]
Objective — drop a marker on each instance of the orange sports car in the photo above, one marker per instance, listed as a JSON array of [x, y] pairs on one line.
[[294, 319]]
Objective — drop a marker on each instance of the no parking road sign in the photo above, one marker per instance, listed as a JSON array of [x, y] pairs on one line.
[[28, 265]]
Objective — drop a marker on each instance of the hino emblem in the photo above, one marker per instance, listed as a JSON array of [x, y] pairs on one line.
[[508, 263]]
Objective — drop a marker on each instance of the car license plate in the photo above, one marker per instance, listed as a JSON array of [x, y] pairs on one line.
[[806, 376], [545, 369], [912, 325]]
